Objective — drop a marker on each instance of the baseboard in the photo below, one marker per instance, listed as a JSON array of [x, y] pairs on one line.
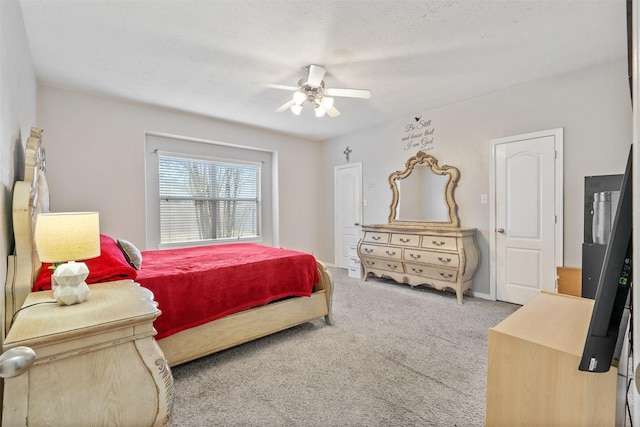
[[483, 295]]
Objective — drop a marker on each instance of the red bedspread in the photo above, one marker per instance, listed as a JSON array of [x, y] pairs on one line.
[[196, 285]]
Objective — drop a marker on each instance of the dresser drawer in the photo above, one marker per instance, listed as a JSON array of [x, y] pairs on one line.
[[432, 257], [376, 237], [381, 251], [424, 270], [383, 264], [352, 251], [353, 262], [405, 240], [443, 243]]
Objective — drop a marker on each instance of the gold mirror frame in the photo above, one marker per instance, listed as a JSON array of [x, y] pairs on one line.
[[454, 174]]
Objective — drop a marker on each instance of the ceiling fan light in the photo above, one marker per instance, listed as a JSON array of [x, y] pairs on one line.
[[296, 108], [320, 111], [299, 97], [327, 102]]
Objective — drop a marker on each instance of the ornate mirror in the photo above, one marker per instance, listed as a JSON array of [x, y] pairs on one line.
[[423, 193]]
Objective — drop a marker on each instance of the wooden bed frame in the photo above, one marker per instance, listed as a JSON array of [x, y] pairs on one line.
[[31, 197]]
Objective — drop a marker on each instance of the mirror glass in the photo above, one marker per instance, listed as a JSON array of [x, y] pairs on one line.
[[422, 196], [423, 193]]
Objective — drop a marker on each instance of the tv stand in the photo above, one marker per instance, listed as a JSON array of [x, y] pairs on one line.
[[533, 377]]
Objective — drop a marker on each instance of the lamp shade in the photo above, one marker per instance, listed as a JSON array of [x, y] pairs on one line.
[[296, 108], [299, 97], [68, 236]]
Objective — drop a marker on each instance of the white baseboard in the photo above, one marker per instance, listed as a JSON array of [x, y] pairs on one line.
[[483, 295]]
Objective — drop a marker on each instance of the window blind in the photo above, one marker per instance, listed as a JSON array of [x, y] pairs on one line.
[[207, 199]]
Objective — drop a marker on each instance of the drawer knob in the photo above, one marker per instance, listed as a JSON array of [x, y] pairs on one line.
[[391, 253], [446, 275], [375, 237], [444, 260], [416, 270], [16, 361], [368, 250], [369, 262], [415, 256], [437, 243], [405, 240], [392, 266]]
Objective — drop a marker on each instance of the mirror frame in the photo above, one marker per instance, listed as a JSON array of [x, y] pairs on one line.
[[423, 158]]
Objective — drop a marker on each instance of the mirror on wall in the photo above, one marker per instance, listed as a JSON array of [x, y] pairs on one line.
[[423, 193]]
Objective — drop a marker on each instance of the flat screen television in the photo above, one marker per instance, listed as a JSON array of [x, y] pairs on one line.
[[611, 310]]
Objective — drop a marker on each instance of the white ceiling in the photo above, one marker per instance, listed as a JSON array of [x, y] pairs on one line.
[[204, 56]]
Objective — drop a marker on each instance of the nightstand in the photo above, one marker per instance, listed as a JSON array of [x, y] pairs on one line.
[[97, 363]]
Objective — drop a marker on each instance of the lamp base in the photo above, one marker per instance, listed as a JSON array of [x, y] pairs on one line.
[[71, 294], [71, 289]]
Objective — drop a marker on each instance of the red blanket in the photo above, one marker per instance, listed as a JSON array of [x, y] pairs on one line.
[[196, 285]]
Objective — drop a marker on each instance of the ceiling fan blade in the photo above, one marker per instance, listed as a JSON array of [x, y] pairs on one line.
[[350, 93], [274, 86], [316, 74], [285, 106], [333, 112]]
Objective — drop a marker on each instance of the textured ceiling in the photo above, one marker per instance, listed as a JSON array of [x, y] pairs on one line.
[[204, 56]]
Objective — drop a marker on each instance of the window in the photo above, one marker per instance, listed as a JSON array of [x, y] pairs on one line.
[[205, 192], [206, 199]]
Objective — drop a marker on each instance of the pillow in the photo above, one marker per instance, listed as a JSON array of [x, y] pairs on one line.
[[110, 265], [131, 253]]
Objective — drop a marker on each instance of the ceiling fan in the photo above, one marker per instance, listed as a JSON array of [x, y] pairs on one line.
[[312, 89]]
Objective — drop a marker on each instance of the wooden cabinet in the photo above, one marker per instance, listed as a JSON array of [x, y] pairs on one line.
[[97, 363], [438, 257], [533, 377]]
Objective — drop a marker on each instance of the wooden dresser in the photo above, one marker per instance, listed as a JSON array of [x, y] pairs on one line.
[[97, 363], [533, 377], [439, 257]]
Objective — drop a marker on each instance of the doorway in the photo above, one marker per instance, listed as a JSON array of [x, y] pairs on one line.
[[526, 220]]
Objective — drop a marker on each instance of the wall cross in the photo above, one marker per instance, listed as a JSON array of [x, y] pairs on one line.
[[346, 152]]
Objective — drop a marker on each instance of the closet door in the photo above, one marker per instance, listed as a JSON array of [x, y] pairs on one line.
[[526, 212]]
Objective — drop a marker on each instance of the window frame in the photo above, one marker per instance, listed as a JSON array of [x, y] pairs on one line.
[[200, 148]]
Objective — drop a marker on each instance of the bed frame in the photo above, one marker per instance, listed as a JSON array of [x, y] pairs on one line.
[[31, 197]]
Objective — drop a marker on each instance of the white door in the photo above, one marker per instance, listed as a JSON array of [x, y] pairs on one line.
[[527, 219], [348, 199]]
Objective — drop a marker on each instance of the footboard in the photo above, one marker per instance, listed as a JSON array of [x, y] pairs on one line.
[[325, 284], [251, 324]]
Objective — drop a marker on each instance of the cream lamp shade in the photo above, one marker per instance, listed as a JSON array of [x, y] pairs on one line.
[[65, 238]]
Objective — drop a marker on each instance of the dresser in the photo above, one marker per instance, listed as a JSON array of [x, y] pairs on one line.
[[420, 255], [532, 374], [97, 363]]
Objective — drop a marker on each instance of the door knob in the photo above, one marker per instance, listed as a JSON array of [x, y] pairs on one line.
[[16, 361], [500, 230], [357, 224]]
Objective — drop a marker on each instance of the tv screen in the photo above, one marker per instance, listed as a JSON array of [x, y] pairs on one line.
[[610, 315]]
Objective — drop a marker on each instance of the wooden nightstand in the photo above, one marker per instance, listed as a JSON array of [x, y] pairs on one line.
[[97, 363]]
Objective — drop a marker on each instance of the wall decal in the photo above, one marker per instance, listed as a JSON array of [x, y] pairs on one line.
[[418, 134]]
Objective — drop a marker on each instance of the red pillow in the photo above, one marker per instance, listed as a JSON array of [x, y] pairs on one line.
[[110, 265]]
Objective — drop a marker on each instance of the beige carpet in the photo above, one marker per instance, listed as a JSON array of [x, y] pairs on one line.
[[396, 356]]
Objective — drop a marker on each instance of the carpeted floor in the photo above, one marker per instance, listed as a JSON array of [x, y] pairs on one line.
[[396, 356]]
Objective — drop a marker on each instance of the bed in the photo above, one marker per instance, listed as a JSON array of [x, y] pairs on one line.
[[302, 294]]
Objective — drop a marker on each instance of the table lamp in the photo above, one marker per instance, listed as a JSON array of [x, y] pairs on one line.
[[62, 239]]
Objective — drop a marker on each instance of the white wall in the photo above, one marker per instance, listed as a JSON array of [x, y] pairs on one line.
[[17, 115], [95, 161], [95, 158], [592, 105]]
